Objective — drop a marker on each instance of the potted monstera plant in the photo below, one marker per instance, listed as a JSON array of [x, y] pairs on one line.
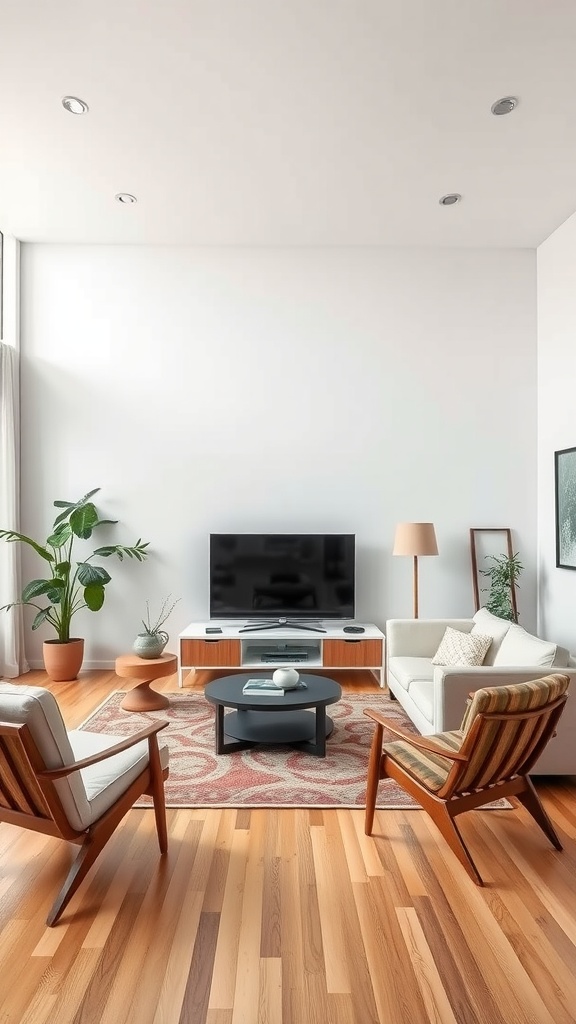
[[70, 583]]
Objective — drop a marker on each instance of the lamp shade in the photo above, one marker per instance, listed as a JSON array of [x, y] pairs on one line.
[[415, 539]]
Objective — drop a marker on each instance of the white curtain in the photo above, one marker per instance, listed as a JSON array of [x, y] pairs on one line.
[[12, 660]]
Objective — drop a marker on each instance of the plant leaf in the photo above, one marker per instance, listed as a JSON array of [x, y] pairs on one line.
[[37, 587], [94, 596], [89, 495], [12, 535], [61, 534], [70, 506], [138, 551], [40, 618], [88, 573], [76, 504], [83, 520]]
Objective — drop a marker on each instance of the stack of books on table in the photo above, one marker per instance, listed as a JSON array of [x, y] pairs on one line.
[[262, 687]]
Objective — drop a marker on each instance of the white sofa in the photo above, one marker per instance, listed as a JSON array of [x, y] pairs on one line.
[[434, 696]]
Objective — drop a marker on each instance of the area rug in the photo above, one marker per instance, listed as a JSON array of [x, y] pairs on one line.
[[262, 776]]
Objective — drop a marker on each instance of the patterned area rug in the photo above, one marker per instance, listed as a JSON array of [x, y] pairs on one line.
[[262, 776]]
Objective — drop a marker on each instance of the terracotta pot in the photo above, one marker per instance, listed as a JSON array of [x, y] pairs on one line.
[[63, 661]]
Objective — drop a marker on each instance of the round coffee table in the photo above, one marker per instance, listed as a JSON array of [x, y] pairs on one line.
[[284, 718], [145, 671]]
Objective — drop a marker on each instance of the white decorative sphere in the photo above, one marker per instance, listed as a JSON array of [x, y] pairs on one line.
[[285, 678]]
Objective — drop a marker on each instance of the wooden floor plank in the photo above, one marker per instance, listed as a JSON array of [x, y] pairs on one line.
[[226, 952], [246, 992], [270, 995], [433, 993], [328, 887]]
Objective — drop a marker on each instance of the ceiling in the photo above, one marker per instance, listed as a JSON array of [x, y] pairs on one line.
[[287, 122]]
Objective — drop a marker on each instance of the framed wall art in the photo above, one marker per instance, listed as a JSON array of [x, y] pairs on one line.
[[565, 480]]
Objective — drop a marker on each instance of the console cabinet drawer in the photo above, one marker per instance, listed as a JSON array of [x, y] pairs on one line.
[[210, 653], [343, 653]]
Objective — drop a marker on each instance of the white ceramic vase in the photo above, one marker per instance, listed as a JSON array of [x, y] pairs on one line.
[[285, 678], [150, 645]]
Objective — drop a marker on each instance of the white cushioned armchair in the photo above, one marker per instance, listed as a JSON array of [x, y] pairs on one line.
[[74, 785], [434, 696]]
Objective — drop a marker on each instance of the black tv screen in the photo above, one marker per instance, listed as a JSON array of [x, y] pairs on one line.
[[292, 575]]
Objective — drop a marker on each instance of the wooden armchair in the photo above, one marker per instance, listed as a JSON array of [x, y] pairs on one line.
[[74, 785], [503, 733]]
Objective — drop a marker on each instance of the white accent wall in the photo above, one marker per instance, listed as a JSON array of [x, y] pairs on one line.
[[312, 390], [556, 261]]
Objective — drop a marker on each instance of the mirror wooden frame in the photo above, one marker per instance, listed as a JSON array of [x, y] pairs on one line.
[[507, 533]]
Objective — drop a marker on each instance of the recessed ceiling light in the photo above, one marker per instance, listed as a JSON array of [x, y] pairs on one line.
[[125, 197], [504, 106], [74, 105], [450, 199]]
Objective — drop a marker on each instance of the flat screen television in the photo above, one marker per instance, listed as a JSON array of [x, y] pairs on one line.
[[267, 576]]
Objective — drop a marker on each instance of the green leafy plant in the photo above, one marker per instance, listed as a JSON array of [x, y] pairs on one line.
[[72, 585], [503, 575], [151, 628]]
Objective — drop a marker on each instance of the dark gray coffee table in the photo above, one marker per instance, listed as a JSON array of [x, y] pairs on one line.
[[285, 718]]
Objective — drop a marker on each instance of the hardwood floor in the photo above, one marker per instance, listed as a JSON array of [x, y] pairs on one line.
[[291, 916]]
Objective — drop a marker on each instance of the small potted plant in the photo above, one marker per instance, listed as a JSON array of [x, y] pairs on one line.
[[153, 640], [503, 575], [71, 585]]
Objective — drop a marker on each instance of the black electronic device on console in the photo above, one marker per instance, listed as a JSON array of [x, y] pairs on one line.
[[213, 629], [292, 580], [353, 629]]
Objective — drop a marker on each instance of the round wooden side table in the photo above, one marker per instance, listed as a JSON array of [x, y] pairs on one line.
[[145, 671]]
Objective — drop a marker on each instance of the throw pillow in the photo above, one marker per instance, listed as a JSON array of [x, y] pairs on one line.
[[490, 625], [521, 648], [458, 648]]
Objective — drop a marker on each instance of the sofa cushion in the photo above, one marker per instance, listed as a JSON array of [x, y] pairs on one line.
[[490, 625], [421, 691], [562, 659], [458, 648], [521, 648], [405, 670]]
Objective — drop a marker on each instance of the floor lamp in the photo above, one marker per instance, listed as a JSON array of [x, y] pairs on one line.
[[415, 539]]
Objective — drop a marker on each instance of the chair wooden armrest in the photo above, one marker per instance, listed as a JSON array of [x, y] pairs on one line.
[[148, 733], [416, 741]]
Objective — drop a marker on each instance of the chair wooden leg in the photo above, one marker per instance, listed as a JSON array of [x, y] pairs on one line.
[[529, 798], [438, 811], [157, 794], [151, 781], [89, 851], [373, 778], [451, 833]]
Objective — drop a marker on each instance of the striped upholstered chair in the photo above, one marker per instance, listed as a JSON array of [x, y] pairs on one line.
[[503, 733]]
